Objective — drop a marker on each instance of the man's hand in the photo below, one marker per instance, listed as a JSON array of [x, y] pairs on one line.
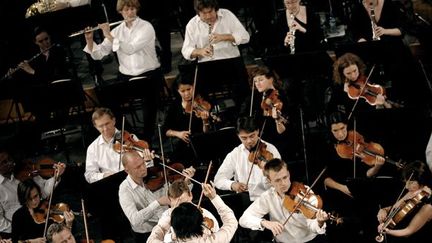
[[275, 227], [164, 201], [188, 173], [239, 187]]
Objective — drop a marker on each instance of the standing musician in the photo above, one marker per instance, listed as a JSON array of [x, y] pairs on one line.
[[342, 194], [213, 34], [188, 223], [141, 206], [28, 222], [298, 228], [236, 168], [178, 193], [413, 220], [9, 200], [376, 20], [134, 42], [349, 73], [298, 29], [270, 104], [178, 119]]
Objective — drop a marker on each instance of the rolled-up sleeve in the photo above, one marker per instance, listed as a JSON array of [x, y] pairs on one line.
[[241, 36]]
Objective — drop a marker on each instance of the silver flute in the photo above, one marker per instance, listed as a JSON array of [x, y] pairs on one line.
[[374, 24], [292, 31]]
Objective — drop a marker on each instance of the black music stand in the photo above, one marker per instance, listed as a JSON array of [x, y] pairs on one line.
[[214, 145]]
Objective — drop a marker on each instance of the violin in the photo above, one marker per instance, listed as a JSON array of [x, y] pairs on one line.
[[44, 167], [130, 144], [397, 214], [366, 151], [271, 101], [259, 154], [200, 108], [155, 178], [370, 92], [310, 204], [56, 212]]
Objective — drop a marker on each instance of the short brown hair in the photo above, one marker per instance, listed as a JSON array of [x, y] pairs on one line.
[[100, 111], [275, 165], [127, 3], [177, 188], [345, 61]]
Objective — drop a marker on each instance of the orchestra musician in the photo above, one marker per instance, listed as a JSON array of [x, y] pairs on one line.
[[349, 70], [298, 27], [376, 20], [270, 104], [188, 224], [59, 233], [134, 43], [428, 153], [25, 227], [342, 194], [415, 224], [179, 192], [235, 169], [142, 206], [178, 118], [9, 201], [298, 228]]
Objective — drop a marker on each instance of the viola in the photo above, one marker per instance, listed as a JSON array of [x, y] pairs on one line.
[[271, 101], [366, 151], [370, 92], [397, 214], [309, 206], [44, 167], [155, 178], [259, 154], [56, 212]]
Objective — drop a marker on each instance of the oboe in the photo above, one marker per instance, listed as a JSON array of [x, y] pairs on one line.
[[373, 23], [209, 37]]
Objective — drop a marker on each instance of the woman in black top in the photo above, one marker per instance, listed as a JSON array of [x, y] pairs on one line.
[[24, 227]]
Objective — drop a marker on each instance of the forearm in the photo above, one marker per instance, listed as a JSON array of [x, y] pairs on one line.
[[393, 32]]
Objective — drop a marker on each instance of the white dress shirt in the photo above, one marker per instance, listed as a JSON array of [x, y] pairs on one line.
[[9, 198], [197, 36], [236, 165], [74, 3], [170, 235], [298, 229], [429, 153], [135, 47], [101, 158], [140, 205]]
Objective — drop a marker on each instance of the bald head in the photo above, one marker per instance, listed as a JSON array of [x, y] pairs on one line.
[[134, 165]]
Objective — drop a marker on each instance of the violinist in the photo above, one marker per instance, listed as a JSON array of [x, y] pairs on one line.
[[24, 225], [343, 194], [299, 228], [9, 202], [349, 75], [59, 233], [188, 223], [179, 192], [270, 104], [234, 171], [411, 225], [177, 120], [141, 206]]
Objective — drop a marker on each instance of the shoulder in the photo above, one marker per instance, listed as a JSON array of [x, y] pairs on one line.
[[18, 215], [193, 22]]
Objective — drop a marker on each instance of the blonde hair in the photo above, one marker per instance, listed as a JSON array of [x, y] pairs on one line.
[[127, 3], [100, 111]]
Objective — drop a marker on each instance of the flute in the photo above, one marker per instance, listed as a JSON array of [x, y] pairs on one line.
[[93, 29]]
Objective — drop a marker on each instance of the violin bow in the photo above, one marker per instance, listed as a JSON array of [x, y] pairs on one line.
[[121, 141], [303, 198], [354, 148], [361, 91], [180, 173], [163, 156], [252, 98], [56, 175], [205, 181], [193, 96], [85, 221], [256, 152]]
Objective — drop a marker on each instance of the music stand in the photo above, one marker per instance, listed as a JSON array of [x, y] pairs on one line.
[[214, 145]]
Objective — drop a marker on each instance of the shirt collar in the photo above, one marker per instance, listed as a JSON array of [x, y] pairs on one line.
[[132, 183], [102, 140]]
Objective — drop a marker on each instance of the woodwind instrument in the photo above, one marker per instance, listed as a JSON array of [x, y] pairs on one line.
[[292, 31], [373, 23], [93, 29], [209, 37]]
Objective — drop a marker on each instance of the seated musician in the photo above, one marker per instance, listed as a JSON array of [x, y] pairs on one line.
[[415, 224], [179, 192], [134, 43], [235, 170], [9, 201], [59, 233], [298, 228], [188, 223], [339, 195], [28, 222], [177, 121], [142, 206], [349, 70]]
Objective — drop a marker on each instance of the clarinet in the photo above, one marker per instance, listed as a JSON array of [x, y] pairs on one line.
[[373, 23], [209, 37], [292, 32]]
